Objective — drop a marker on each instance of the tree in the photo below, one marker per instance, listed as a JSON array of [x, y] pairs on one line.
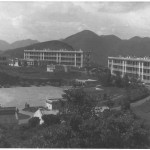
[[34, 121], [35, 63], [19, 63], [51, 119], [109, 103], [4, 142], [125, 81], [118, 80], [105, 77], [25, 63], [78, 101], [125, 102], [75, 122], [114, 130], [111, 129]]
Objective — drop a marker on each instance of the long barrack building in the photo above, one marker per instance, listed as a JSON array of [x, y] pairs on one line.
[[138, 67], [62, 57]]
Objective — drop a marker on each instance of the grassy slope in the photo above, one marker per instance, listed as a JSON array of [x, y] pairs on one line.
[[143, 111], [38, 72]]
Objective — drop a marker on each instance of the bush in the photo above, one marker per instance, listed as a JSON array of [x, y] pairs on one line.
[[109, 103], [4, 143], [24, 127], [33, 122], [125, 104], [75, 121], [51, 119]]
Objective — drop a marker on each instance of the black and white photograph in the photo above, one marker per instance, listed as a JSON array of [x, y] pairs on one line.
[[75, 74]]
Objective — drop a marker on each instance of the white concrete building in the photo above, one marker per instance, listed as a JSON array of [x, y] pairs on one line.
[[14, 62], [62, 56], [50, 68], [41, 111], [138, 67], [52, 103]]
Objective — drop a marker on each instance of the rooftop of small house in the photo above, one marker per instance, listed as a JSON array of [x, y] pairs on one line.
[[7, 110], [50, 100], [86, 80], [45, 111]]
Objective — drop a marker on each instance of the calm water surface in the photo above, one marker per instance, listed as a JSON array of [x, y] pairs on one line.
[[35, 96]]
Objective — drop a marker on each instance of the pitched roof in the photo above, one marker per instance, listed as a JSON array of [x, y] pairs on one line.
[[7, 110], [50, 112], [45, 111]]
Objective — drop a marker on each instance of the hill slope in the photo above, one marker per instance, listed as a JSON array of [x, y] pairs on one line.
[[4, 45], [18, 52], [22, 43], [108, 45], [100, 46]]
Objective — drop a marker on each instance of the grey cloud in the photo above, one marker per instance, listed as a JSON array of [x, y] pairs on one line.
[[122, 7]]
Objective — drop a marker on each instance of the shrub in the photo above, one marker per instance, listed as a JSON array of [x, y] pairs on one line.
[[24, 127], [75, 121], [125, 104], [51, 119], [4, 143], [33, 122]]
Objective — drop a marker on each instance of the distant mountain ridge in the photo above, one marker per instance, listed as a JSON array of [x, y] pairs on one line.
[[4, 45], [108, 45], [21, 43], [100, 46]]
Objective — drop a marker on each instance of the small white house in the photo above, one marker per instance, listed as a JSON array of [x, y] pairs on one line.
[[14, 62], [86, 82], [51, 103], [50, 68], [41, 111]]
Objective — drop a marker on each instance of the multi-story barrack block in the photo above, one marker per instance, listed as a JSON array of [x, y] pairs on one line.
[[62, 56], [138, 67]]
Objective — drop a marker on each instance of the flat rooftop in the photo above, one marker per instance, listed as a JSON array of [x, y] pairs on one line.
[[135, 58]]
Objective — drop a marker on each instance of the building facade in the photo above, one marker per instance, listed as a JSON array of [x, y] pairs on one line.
[[55, 104], [8, 116], [62, 57], [14, 62], [132, 66], [42, 111]]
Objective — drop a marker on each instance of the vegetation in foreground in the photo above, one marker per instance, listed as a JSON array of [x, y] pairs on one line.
[[80, 127], [130, 86], [38, 76]]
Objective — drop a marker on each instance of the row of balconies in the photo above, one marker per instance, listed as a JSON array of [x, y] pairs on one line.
[[127, 71], [56, 54], [51, 56], [130, 71], [59, 60], [70, 60], [134, 66], [130, 64]]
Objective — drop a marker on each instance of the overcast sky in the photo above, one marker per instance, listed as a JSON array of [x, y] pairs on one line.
[[55, 20]]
